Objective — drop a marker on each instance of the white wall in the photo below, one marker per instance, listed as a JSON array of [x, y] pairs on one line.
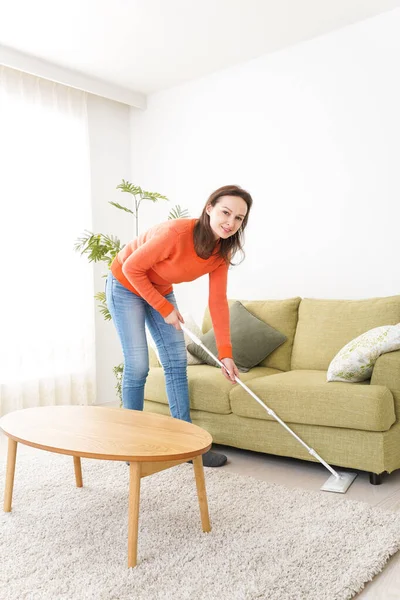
[[109, 136], [313, 133]]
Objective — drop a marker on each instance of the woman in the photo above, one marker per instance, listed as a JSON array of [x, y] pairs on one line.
[[139, 291]]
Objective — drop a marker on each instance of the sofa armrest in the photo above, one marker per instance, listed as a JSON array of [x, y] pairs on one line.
[[387, 371], [153, 360]]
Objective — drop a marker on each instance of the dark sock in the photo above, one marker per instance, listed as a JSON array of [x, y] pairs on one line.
[[213, 459]]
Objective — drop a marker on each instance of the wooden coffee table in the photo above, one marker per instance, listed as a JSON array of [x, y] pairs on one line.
[[149, 442]]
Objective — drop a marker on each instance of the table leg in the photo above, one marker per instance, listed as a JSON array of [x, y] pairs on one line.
[[78, 471], [133, 523], [201, 492], [11, 457]]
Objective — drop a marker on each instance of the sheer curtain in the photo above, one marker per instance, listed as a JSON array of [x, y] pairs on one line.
[[46, 293]]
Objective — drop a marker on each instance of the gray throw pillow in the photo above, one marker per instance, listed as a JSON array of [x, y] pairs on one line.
[[252, 340]]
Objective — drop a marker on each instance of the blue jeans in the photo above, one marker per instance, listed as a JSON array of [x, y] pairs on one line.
[[130, 313]]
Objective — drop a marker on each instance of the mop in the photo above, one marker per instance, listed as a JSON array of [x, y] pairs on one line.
[[337, 482]]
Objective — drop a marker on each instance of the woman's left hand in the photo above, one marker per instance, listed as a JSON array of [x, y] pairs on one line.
[[232, 368]]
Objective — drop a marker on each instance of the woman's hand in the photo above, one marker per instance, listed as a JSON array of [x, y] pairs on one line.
[[232, 368], [174, 318]]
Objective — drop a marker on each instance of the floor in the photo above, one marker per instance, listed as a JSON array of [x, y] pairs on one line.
[[310, 476]]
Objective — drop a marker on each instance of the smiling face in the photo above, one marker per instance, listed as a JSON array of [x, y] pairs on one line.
[[226, 216]]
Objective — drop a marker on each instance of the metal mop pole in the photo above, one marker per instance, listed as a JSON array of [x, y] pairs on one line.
[[265, 407]]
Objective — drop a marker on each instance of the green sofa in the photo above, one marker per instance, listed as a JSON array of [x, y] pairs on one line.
[[352, 425]]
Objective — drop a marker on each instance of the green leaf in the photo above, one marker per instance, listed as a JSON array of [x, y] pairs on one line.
[[136, 190], [153, 196], [102, 306], [178, 213], [129, 188], [121, 207], [118, 372], [98, 247]]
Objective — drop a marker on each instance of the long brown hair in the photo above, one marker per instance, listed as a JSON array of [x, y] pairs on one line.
[[204, 239]]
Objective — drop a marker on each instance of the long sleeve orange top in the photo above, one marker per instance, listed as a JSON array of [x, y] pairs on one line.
[[165, 254]]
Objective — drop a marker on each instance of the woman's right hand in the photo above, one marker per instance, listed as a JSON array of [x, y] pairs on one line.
[[174, 318]]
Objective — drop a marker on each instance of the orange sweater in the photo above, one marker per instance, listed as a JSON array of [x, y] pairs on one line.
[[165, 254]]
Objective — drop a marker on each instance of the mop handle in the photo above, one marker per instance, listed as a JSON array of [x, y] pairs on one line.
[[260, 402]]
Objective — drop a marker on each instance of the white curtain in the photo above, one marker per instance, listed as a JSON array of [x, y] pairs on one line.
[[46, 293]]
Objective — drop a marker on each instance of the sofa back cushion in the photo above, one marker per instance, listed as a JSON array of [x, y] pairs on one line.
[[325, 326], [280, 314]]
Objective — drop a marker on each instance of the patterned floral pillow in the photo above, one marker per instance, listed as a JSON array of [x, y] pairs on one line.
[[355, 361]]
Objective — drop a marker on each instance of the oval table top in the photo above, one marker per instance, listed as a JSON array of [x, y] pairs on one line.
[[106, 433]]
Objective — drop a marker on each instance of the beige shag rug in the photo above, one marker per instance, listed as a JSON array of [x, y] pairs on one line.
[[267, 542]]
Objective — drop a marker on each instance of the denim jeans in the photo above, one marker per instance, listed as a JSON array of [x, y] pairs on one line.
[[130, 313]]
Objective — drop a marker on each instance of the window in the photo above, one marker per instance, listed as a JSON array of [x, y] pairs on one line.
[[46, 301]]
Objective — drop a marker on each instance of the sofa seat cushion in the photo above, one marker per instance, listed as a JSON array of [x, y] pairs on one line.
[[208, 388], [306, 397]]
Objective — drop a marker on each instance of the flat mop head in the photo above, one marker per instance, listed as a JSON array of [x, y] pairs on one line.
[[340, 484]]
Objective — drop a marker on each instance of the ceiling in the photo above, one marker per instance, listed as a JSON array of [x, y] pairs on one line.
[[150, 45]]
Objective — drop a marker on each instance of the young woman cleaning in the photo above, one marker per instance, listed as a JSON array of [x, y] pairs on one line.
[[139, 291]]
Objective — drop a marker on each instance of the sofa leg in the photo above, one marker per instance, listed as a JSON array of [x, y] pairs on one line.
[[375, 478]]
